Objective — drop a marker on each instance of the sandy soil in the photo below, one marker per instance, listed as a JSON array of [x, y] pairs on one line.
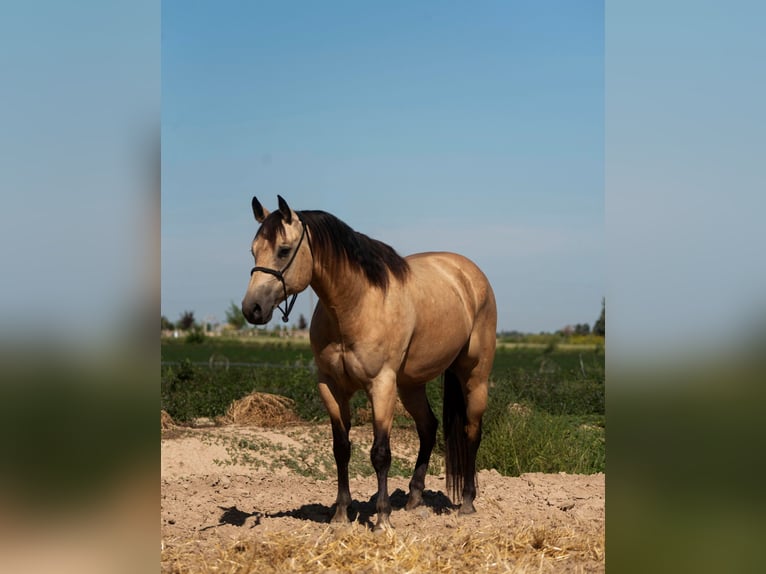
[[225, 485]]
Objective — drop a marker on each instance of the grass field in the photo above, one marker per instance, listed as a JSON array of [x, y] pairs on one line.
[[545, 412]]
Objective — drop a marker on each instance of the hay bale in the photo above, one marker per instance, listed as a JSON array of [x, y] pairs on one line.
[[262, 409], [166, 421]]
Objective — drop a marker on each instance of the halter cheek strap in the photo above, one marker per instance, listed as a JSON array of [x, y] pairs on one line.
[[281, 275]]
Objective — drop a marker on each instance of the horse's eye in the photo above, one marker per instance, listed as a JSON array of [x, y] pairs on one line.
[[283, 252]]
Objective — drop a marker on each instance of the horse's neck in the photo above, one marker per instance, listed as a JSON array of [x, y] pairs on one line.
[[338, 287]]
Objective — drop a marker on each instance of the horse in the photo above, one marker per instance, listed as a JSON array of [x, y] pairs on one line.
[[384, 324]]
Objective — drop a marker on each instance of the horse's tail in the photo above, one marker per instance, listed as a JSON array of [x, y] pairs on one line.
[[455, 437]]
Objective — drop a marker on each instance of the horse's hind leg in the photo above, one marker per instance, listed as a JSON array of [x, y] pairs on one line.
[[475, 393], [415, 401], [472, 369], [337, 404]]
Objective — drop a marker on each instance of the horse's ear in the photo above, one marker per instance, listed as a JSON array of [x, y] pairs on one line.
[[287, 213], [259, 211]]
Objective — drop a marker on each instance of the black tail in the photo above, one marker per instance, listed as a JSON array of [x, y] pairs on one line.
[[455, 437]]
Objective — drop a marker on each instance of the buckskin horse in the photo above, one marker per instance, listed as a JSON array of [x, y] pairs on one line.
[[383, 324]]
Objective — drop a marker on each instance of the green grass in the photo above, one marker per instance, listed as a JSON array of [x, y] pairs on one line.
[[536, 441], [237, 350], [558, 423], [189, 391]]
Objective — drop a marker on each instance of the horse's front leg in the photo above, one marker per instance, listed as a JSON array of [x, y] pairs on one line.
[[383, 398], [337, 404], [415, 401]]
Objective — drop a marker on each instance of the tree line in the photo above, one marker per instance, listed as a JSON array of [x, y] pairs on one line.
[[598, 328], [234, 318]]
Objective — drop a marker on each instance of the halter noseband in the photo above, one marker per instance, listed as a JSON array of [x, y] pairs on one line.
[[280, 274]]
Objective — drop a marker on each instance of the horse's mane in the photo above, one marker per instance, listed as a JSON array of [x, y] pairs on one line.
[[329, 234]]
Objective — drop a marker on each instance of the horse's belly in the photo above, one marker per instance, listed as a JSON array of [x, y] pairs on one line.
[[417, 374], [428, 358]]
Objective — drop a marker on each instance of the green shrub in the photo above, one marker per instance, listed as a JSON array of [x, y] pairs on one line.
[[195, 336]]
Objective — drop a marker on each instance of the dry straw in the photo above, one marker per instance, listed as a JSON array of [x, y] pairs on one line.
[[355, 549], [262, 409]]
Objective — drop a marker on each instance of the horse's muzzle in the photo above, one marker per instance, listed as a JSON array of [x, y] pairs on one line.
[[254, 314]]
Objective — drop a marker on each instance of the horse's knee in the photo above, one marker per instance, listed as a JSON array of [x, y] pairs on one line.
[[341, 445], [380, 454]]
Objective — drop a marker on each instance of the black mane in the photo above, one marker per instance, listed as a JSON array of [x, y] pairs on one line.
[[329, 234]]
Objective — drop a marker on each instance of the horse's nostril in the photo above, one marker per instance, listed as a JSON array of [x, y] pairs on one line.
[[256, 309]]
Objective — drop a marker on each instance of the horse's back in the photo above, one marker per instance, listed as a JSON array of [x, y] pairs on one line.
[[452, 276]]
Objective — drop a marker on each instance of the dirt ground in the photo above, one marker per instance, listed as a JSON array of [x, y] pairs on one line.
[[231, 495]]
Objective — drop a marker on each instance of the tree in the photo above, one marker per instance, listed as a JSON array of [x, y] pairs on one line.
[[582, 329], [186, 321], [302, 324], [599, 327], [234, 316], [166, 325]]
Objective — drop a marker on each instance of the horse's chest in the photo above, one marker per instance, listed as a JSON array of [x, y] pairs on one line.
[[350, 365]]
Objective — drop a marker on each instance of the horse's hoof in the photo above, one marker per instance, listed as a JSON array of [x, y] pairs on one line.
[[341, 517], [336, 520], [413, 501], [467, 508]]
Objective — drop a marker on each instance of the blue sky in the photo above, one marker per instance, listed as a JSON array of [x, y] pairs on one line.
[[685, 176], [79, 110], [431, 126]]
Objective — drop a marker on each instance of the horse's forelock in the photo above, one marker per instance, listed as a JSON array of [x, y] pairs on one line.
[[272, 225]]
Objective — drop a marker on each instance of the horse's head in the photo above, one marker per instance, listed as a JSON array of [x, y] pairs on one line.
[[283, 262]]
